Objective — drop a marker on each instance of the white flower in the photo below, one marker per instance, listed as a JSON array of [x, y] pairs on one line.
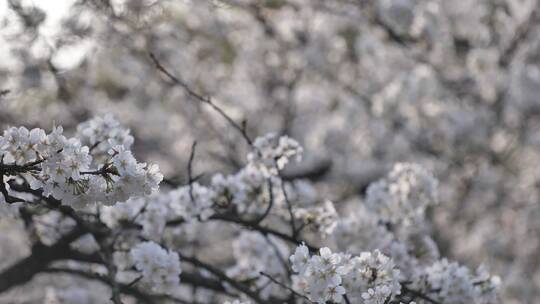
[[160, 269], [335, 293], [300, 259], [20, 145], [123, 161], [65, 169], [321, 276], [253, 255], [104, 133], [192, 202], [404, 195], [326, 259], [377, 295], [153, 178], [324, 218], [452, 283], [272, 153]]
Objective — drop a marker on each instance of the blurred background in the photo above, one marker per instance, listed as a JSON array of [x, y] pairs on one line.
[[452, 85]]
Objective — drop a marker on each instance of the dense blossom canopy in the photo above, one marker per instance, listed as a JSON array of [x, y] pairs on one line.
[[140, 233], [269, 151]]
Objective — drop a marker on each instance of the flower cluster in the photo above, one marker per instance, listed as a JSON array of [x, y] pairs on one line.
[[404, 195], [255, 253], [246, 190], [365, 277], [319, 276], [193, 202], [380, 256], [272, 153], [65, 169], [103, 133], [370, 278], [451, 84], [360, 231], [452, 283], [189, 204], [324, 218], [160, 270], [151, 213]]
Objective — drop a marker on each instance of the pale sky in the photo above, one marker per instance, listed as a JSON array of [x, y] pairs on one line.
[[55, 9]]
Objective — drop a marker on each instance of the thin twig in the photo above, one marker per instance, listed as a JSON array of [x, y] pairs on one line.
[[137, 279], [190, 172], [294, 232], [223, 277], [418, 294], [520, 36], [107, 255], [264, 274], [207, 100], [125, 288], [251, 225], [261, 218]]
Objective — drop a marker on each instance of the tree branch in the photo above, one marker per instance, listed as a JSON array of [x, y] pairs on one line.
[[223, 277], [41, 256], [206, 100]]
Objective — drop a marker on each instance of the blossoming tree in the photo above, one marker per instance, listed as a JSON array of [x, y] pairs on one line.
[[381, 97], [89, 200]]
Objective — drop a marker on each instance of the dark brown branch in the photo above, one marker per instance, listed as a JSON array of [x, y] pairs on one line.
[[14, 169], [185, 278], [188, 278], [223, 277], [96, 229], [520, 36], [417, 294], [266, 212], [107, 254], [82, 257], [313, 170], [41, 256], [259, 228], [294, 232], [200, 281], [190, 171], [96, 277], [284, 286], [11, 170], [206, 100]]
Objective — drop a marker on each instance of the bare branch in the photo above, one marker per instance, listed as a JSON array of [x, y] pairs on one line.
[[41, 256], [223, 277], [284, 286], [207, 100]]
